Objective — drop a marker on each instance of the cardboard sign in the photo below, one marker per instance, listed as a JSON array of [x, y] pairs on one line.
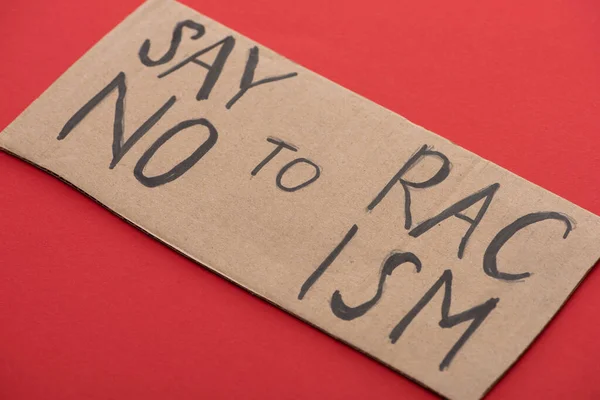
[[424, 256]]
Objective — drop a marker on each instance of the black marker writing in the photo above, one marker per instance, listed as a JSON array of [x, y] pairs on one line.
[[280, 145], [184, 165], [439, 176], [490, 262], [119, 147], [342, 311], [301, 185], [314, 277], [476, 315], [248, 77], [175, 41], [214, 69], [456, 211]]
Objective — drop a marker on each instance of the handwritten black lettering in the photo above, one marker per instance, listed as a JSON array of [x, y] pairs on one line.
[[490, 262], [119, 147], [214, 70], [303, 184], [476, 315], [456, 211], [175, 41], [182, 167], [248, 76], [314, 277], [342, 311], [439, 176], [280, 145]]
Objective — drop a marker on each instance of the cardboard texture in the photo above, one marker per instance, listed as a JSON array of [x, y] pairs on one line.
[[426, 257]]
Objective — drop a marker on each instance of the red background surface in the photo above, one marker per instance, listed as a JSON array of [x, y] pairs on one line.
[[90, 308]]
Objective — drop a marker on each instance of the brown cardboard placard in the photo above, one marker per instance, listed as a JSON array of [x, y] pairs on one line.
[[430, 259]]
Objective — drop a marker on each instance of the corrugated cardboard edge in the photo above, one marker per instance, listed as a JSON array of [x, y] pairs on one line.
[[215, 271], [249, 290]]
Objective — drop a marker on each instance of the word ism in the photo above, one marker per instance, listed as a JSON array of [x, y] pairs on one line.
[[476, 315]]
